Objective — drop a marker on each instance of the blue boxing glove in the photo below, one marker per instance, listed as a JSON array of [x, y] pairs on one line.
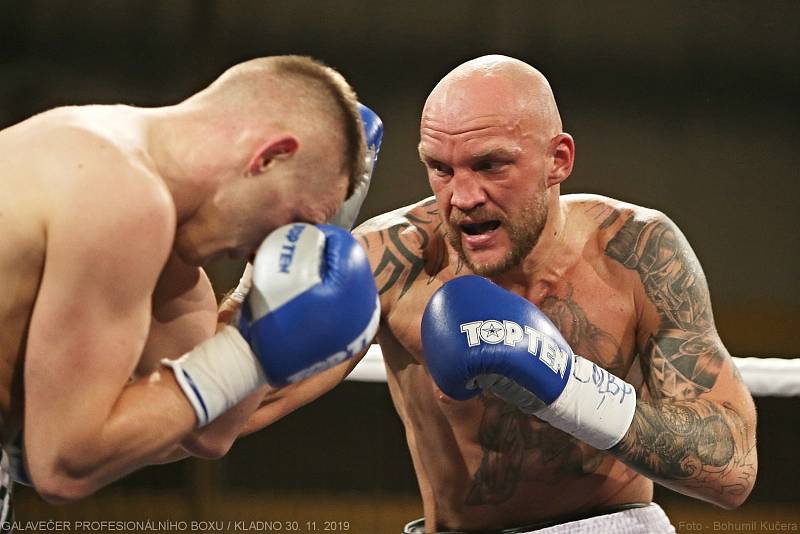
[[478, 336], [373, 133], [313, 304]]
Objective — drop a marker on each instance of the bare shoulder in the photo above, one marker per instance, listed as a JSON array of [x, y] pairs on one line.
[[607, 212], [60, 129], [682, 353], [642, 241], [79, 179], [410, 227], [95, 177], [614, 225], [404, 246], [422, 215]]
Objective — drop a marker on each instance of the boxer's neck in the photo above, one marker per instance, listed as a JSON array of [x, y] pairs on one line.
[[547, 261], [184, 145]]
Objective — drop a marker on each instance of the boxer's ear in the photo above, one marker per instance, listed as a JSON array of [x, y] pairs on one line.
[[562, 151], [277, 147]]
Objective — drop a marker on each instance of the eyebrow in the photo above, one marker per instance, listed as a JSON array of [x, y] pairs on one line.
[[492, 152], [495, 152], [422, 155]]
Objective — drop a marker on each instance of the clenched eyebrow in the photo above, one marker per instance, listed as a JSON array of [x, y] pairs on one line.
[[499, 152]]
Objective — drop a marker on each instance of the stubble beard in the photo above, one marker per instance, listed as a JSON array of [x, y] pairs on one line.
[[523, 233]]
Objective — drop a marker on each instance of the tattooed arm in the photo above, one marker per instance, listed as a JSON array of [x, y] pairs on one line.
[[694, 426], [404, 246], [393, 242]]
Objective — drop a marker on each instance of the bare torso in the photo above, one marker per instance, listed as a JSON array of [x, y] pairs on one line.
[[482, 463], [35, 155], [22, 251]]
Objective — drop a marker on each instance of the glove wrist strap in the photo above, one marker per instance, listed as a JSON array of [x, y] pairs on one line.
[[217, 374], [595, 406]]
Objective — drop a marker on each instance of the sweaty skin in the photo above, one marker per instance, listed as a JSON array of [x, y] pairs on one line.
[[620, 282], [108, 213], [93, 297], [482, 463]]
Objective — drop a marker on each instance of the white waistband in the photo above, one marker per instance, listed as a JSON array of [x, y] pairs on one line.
[[649, 519]]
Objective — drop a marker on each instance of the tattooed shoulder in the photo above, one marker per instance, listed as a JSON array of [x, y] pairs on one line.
[[604, 214], [404, 246], [683, 352], [652, 245]]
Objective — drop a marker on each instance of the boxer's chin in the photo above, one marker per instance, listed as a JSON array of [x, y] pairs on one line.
[[491, 264], [500, 250], [490, 254], [485, 254]]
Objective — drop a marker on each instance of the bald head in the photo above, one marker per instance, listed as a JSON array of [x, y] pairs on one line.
[[494, 86], [494, 152]]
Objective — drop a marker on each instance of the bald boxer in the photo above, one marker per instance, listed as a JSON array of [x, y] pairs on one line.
[[547, 394], [108, 214]]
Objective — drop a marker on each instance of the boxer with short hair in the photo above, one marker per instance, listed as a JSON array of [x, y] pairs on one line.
[[582, 364], [109, 213]]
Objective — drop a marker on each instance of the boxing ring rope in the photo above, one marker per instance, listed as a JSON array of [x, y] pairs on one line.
[[765, 377]]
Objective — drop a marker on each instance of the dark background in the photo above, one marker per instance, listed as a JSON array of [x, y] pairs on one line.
[[687, 107]]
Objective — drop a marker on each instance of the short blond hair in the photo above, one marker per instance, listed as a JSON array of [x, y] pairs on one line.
[[334, 92], [307, 88]]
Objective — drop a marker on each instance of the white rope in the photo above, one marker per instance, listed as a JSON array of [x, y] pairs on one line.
[[766, 377], [771, 377]]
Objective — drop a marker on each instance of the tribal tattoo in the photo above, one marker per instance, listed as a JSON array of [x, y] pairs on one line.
[[401, 264]]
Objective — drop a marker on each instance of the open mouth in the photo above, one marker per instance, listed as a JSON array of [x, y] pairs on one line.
[[478, 228]]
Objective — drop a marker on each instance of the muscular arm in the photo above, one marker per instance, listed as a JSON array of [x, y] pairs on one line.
[[109, 232], [395, 266], [396, 263], [184, 315], [694, 426]]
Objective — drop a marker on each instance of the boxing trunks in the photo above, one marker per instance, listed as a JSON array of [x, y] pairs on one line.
[[6, 511], [638, 518]]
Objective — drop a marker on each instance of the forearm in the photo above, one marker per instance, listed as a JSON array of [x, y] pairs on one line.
[[278, 403], [175, 455], [215, 439], [696, 447], [151, 422], [145, 426], [147, 423]]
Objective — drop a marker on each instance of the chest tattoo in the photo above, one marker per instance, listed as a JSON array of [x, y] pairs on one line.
[[585, 338], [517, 446]]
